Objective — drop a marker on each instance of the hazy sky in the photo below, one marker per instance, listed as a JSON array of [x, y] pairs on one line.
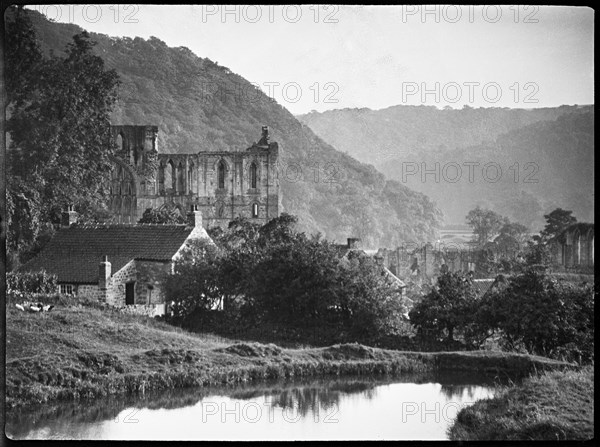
[[318, 57]]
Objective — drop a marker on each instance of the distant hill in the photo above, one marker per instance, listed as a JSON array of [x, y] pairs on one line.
[[554, 149], [200, 106]]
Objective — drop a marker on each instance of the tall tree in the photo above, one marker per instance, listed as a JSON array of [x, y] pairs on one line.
[[556, 222], [448, 307], [485, 223], [59, 110]]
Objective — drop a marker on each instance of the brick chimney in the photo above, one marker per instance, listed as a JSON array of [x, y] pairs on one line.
[[353, 242], [194, 217], [104, 272], [68, 217]]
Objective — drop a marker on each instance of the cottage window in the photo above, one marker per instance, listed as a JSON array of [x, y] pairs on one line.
[[66, 289], [150, 288]]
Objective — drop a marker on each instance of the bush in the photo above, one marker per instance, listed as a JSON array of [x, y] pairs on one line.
[[274, 276], [448, 307], [544, 316], [26, 283]]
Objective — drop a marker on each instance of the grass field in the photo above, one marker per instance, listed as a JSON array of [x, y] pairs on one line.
[[77, 352], [553, 406]]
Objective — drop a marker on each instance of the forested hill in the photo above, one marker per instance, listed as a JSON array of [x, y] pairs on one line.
[[546, 155], [400, 131], [199, 106]]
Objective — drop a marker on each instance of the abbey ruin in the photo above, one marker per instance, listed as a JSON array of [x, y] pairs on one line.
[[221, 185]]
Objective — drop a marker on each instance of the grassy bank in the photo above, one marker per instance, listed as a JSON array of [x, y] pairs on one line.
[[81, 352], [556, 405]]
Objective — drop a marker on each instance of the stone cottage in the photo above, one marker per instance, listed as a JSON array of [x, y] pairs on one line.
[[120, 265]]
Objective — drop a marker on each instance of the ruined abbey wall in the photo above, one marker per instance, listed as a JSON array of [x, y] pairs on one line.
[[223, 185]]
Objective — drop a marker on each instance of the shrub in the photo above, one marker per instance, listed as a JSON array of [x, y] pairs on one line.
[[26, 283]]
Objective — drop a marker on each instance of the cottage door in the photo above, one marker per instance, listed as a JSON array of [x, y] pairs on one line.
[[129, 294]]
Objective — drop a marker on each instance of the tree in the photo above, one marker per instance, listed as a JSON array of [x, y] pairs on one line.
[[277, 276], [538, 250], [556, 222], [194, 284], [485, 224], [542, 315], [58, 121], [165, 215], [447, 307], [511, 240]]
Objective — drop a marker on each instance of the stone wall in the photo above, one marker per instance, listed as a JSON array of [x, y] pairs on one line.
[[143, 274], [115, 290], [150, 282], [91, 292], [143, 179]]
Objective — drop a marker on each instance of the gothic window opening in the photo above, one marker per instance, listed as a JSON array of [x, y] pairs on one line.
[[253, 175], [221, 175], [192, 178], [169, 176], [254, 210], [161, 179], [119, 143], [180, 181]]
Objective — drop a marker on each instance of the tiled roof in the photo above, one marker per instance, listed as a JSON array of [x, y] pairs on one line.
[[74, 253]]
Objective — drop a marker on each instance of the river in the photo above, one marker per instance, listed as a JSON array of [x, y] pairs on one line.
[[355, 408]]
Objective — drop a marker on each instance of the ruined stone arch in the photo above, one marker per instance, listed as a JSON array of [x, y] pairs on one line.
[[170, 176], [125, 172], [253, 175], [124, 191], [223, 170], [192, 180], [180, 184], [120, 142], [161, 178], [255, 210]]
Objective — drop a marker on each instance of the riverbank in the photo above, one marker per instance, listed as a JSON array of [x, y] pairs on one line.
[[553, 406], [82, 352]]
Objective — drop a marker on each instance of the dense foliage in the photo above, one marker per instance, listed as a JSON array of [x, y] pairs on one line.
[[546, 156], [485, 223], [542, 315], [58, 120], [447, 307], [199, 105], [25, 283], [532, 312], [166, 215], [277, 276]]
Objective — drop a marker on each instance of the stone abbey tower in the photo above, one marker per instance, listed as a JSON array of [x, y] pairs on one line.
[[222, 185]]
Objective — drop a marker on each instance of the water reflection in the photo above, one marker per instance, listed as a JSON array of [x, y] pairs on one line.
[[412, 407]]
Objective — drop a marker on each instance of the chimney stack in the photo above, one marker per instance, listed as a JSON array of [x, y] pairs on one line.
[[104, 273], [68, 217], [194, 217], [353, 242]]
